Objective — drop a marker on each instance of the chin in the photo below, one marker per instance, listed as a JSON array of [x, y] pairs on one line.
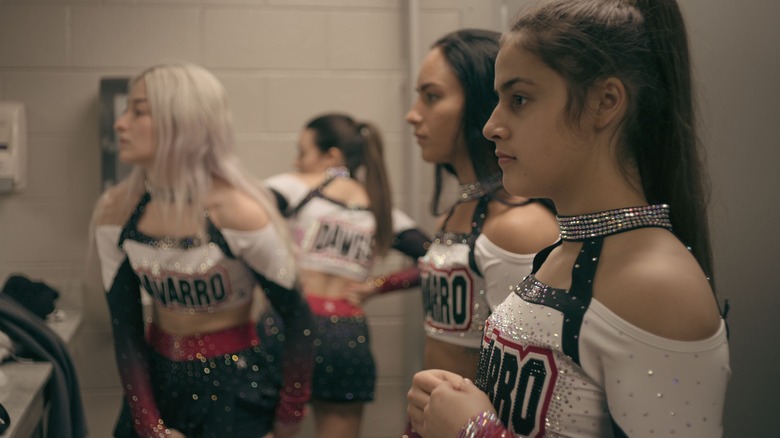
[[516, 187]]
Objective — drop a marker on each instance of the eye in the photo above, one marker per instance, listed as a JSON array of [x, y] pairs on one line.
[[431, 98], [518, 101]]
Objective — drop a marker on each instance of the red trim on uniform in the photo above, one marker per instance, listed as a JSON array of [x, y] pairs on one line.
[[321, 306], [181, 348]]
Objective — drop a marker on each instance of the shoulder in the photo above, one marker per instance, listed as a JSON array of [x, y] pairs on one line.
[[525, 229], [348, 191], [648, 278], [116, 204], [235, 209]]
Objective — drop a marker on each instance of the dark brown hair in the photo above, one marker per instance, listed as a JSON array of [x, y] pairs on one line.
[[471, 53], [644, 44], [361, 145]]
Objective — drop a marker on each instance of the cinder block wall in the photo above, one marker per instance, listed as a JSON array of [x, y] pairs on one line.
[[282, 61]]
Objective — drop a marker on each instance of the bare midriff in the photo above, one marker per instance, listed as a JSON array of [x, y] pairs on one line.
[[186, 324], [324, 285]]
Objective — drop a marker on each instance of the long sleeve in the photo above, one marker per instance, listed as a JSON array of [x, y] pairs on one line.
[[413, 243], [266, 254], [298, 354], [124, 303]]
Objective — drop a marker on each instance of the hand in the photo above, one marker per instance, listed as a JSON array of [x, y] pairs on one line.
[[175, 434], [359, 291], [419, 394], [285, 430], [450, 407]]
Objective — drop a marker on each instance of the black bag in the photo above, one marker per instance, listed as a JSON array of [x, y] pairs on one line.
[[5, 419], [36, 296]]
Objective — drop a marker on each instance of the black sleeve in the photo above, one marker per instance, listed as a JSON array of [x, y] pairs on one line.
[[132, 352], [298, 355], [412, 242], [281, 202]]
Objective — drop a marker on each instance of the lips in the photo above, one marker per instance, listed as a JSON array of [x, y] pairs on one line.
[[504, 158]]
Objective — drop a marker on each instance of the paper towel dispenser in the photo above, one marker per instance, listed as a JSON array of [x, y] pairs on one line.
[[13, 146]]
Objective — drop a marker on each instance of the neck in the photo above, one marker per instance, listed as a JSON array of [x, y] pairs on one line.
[[475, 190]]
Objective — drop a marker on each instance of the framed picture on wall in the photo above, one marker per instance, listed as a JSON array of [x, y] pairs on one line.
[[113, 100]]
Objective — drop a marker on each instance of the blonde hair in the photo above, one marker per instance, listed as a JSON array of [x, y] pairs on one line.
[[195, 144]]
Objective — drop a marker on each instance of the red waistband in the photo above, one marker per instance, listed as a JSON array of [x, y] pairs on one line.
[[202, 345], [330, 307]]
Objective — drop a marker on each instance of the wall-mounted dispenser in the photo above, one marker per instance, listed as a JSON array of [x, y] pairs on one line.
[[13, 147]]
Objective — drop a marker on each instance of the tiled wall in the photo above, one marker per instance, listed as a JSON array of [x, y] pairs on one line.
[[282, 61]]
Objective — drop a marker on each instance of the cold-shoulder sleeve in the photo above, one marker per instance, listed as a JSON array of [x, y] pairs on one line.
[[124, 303], [266, 254], [653, 384], [500, 268], [288, 190]]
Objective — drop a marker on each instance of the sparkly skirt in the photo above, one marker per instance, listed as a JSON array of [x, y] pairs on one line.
[[344, 368], [212, 385]]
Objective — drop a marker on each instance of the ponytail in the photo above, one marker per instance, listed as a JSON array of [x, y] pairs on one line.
[[669, 159], [377, 186], [361, 146]]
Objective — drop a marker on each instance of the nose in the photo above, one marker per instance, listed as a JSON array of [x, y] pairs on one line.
[[413, 116], [121, 123], [494, 130]]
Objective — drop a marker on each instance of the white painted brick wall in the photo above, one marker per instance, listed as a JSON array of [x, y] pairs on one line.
[[282, 62]]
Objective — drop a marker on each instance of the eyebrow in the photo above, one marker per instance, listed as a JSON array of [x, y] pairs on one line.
[[510, 83], [138, 100], [425, 86]]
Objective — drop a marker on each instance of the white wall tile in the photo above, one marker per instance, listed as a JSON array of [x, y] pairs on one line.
[[365, 40], [246, 99], [48, 231], [434, 25], [339, 3], [134, 36], [199, 2], [265, 157], [33, 35], [255, 38], [63, 166], [55, 101], [293, 99], [387, 344], [386, 417], [102, 408], [96, 362]]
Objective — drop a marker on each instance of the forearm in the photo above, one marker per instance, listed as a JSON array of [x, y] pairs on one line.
[[403, 279]]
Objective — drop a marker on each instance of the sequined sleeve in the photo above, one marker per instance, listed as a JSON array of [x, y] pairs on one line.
[[413, 243], [656, 386], [124, 303], [266, 254], [298, 355]]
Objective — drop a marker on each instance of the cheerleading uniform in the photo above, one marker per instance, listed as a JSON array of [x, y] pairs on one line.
[[463, 277], [337, 239], [557, 362], [208, 384]]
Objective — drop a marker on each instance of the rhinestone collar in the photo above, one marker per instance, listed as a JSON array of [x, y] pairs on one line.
[[333, 172], [475, 190], [586, 226], [158, 192]]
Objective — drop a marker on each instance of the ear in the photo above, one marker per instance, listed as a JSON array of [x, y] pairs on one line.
[[334, 157], [610, 101]]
